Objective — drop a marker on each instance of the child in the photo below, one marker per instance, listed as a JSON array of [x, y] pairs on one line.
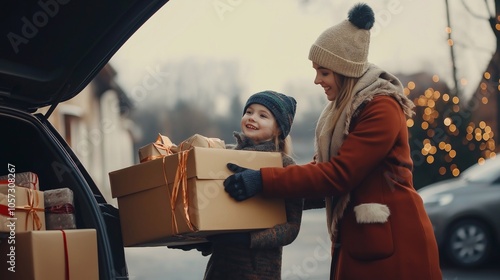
[[265, 124]]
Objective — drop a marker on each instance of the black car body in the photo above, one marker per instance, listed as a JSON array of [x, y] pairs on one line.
[[49, 51]]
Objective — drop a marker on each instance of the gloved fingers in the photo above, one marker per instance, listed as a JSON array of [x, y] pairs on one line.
[[229, 183], [235, 168], [235, 187]]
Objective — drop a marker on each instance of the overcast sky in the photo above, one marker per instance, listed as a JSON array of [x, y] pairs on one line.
[[271, 39]]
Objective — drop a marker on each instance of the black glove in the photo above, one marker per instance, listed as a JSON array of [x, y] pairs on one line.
[[201, 247], [236, 238], [244, 183]]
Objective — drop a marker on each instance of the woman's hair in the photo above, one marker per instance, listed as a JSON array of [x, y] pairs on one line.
[[344, 96]]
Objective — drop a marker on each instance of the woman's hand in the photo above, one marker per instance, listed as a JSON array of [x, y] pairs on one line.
[[244, 183]]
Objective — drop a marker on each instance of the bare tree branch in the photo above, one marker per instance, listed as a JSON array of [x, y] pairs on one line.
[[477, 15]]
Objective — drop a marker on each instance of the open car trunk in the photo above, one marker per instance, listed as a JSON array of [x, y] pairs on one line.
[[30, 143]]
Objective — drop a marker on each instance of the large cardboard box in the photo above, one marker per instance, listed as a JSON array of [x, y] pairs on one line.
[[21, 209], [144, 201], [44, 255]]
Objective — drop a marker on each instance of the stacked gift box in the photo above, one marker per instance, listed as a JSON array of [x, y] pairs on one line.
[[179, 198], [38, 235]]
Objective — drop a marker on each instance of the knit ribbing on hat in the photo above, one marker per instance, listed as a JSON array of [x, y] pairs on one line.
[[327, 59], [282, 107]]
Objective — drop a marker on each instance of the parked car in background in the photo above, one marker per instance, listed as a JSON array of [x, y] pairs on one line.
[[465, 214], [49, 52]]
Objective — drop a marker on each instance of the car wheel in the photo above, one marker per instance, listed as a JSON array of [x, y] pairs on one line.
[[468, 243]]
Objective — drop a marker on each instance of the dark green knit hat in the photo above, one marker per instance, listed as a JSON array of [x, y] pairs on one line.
[[281, 106]]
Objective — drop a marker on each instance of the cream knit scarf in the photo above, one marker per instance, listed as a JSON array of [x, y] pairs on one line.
[[330, 136]]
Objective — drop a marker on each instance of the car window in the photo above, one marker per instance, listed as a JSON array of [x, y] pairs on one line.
[[484, 173]]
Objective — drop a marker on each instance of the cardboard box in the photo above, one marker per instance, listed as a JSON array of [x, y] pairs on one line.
[[161, 147], [28, 213], [198, 140], [41, 255], [145, 205]]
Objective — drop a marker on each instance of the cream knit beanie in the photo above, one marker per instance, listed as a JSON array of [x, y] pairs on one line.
[[343, 48]]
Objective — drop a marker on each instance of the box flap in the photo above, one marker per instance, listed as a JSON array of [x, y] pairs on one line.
[[211, 163], [142, 176]]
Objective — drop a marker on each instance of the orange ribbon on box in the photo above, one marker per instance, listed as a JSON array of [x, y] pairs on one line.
[[179, 185], [32, 209], [161, 143]]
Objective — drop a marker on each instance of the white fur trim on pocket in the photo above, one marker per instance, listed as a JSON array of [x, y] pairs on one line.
[[371, 213]]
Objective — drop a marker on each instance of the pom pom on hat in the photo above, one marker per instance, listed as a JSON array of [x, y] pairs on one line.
[[362, 16], [343, 48], [282, 107]]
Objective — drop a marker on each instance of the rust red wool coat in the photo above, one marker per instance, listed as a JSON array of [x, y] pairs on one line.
[[384, 230]]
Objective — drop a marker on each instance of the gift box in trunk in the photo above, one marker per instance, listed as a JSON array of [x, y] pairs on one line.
[[21, 209], [24, 179], [51, 254], [194, 204], [59, 209]]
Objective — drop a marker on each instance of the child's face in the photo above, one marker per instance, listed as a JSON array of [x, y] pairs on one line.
[[259, 124], [327, 79]]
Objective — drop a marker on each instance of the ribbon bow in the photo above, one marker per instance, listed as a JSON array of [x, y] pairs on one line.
[[32, 209], [162, 143]]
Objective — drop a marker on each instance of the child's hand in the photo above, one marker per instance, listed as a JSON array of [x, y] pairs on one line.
[[236, 238], [244, 183]]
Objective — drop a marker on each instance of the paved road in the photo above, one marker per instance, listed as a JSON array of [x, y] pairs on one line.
[[308, 258]]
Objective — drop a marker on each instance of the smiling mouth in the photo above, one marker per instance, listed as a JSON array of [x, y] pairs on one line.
[[249, 126], [326, 89]]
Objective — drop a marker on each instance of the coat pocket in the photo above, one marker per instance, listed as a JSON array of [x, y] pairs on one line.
[[371, 237]]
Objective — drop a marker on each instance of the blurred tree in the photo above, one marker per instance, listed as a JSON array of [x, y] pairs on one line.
[[483, 126], [439, 143], [485, 103]]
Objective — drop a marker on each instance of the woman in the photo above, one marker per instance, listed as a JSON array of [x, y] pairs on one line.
[[377, 222]]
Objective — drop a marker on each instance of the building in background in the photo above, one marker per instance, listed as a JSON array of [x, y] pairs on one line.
[[96, 126]]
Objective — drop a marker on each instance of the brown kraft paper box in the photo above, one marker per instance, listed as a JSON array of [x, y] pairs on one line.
[[40, 255], [144, 201], [28, 213]]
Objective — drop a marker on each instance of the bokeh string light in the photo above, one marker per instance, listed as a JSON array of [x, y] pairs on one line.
[[442, 130]]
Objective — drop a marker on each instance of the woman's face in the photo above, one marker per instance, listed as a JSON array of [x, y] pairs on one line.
[[258, 123], [329, 80]]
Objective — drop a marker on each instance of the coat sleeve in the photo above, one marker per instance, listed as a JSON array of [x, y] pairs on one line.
[[372, 136], [282, 234]]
